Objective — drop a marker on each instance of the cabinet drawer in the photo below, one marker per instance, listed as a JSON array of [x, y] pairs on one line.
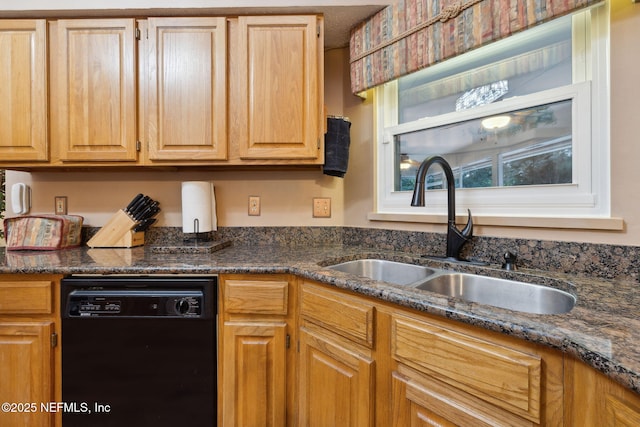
[[621, 412], [421, 400], [507, 378], [28, 297], [256, 296], [340, 313]]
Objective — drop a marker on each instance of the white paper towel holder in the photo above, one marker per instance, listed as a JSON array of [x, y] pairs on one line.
[[198, 210]]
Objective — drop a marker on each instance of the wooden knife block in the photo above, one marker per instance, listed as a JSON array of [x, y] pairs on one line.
[[117, 233]]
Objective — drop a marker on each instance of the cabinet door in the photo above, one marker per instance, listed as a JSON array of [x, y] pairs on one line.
[[336, 385], [187, 89], [254, 375], [594, 399], [279, 87], [26, 369], [96, 90], [420, 400], [409, 409], [480, 368], [23, 102]]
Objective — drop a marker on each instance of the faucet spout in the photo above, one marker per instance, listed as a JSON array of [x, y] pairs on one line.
[[455, 238]]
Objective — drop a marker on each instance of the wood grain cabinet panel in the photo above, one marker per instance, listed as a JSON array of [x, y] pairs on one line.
[[257, 364], [594, 400], [162, 91], [23, 101], [95, 94], [256, 296], [279, 67], [26, 369], [348, 316], [30, 355], [420, 373], [420, 400], [26, 297], [187, 89], [336, 384], [254, 376], [507, 378], [621, 412]]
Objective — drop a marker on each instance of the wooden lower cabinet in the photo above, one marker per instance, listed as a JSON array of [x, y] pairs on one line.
[[592, 399], [359, 361], [26, 369], [363, 362], [254, 374], [337, 372], [455, 375], [29, 355], [336, 381], [256, 363], [419, 403]]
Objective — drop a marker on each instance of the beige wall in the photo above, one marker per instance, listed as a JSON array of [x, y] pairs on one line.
[[287, 195]]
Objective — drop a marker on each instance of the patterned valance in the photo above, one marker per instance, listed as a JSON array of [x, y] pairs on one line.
[[412, 34]]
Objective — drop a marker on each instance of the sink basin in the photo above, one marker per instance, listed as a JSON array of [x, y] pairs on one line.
[[397, 273], [503, 293], [509, 294]]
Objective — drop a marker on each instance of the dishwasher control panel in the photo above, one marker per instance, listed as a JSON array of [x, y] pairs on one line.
[[134, 303]]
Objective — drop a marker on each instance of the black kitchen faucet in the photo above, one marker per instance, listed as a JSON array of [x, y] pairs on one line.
[[455, 238]]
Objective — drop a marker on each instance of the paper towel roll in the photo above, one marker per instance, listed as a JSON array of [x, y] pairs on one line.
[[198, 207]]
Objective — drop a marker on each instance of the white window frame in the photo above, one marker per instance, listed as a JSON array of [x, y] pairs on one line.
[[588, 195]]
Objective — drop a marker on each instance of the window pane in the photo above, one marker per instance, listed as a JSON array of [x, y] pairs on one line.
[[538, 60], [525, 147], [552, 166]]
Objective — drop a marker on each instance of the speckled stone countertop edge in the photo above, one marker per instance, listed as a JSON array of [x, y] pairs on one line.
[[603, 330]]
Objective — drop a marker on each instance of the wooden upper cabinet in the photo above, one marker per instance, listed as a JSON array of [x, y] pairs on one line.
[[280, 87], [187, 89], [23, 102], [162, 91], [95, 102]]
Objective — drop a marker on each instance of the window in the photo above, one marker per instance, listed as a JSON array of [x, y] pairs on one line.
[[523, 123]]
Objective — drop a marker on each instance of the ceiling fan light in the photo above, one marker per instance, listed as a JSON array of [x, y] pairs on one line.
[[496, 122]]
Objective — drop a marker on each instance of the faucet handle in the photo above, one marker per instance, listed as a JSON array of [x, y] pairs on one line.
[[510, 261], [467, 231]]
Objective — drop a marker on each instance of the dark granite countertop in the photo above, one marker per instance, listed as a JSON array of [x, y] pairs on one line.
[[603, 329]]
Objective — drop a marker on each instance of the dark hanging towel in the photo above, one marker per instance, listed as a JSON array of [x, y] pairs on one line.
[[336, 146]]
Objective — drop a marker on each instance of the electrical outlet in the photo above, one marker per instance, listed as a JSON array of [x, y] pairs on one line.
[[322, 207], [254, 205], [60, 205]]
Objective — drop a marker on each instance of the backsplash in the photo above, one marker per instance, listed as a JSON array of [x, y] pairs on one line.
[[583, 259]]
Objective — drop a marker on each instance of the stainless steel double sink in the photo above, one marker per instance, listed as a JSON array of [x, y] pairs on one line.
[[503, 293]]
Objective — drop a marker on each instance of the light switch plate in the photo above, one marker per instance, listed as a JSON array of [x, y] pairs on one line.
[[254, 205], [61, 205], [322, 207]]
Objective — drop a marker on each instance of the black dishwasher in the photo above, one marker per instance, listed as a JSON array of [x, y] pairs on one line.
[[139, 351]]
